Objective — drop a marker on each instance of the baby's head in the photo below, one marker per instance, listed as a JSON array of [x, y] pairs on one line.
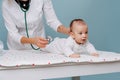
[[79, 31]]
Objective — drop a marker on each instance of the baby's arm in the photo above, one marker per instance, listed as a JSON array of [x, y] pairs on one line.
[[94, 54], [70, 53], [74, 55], [68, 48], [91, 49]]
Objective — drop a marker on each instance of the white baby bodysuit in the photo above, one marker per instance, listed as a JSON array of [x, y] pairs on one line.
[[68, 46]]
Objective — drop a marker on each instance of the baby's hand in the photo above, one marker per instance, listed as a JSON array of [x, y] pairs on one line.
[[74, 55], [94, 54]]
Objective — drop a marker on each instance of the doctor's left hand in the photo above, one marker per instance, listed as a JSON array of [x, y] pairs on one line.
[[38, 41]]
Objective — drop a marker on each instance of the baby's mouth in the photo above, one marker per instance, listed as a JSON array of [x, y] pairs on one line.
[[84, 40]]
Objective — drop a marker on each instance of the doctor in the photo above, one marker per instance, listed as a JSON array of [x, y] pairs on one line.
[[14, 19]]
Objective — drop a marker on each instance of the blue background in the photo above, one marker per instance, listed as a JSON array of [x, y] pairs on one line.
[[103, 19]]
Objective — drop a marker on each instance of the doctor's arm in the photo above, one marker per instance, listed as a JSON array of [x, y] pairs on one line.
[[52, 19], [16, 37], [38, 41]]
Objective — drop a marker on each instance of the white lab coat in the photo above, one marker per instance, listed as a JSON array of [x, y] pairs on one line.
[[14, 21], [68, 46]]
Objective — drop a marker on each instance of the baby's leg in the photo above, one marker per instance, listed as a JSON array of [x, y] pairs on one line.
[[51, 47]]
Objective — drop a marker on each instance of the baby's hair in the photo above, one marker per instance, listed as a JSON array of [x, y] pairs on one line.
[[80, 21]]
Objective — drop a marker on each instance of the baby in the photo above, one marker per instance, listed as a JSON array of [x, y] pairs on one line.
[[76, 44]]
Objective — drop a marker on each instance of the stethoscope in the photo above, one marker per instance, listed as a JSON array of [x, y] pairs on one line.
[[26, 26], [24, 5]]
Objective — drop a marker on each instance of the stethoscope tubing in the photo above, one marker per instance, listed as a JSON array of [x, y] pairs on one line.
[[26, 26]]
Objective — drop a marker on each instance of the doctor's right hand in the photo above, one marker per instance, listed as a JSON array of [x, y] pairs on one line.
[[38, 41]]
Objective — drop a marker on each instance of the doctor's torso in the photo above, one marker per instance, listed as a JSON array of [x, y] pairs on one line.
[[33, 17], [14, 19]]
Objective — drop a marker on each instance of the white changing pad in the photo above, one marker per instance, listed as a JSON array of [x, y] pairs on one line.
[[15, 58]]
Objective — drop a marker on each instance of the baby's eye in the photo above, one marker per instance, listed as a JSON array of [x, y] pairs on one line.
[[86, 32], [80, 33]]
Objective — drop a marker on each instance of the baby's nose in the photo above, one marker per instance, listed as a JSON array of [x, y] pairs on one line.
[[84, 35]]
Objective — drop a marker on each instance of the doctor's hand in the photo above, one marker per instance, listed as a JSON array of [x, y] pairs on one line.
[[38, 41], [63, 29]]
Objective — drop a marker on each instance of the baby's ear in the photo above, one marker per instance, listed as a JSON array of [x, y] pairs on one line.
[[72, 34]]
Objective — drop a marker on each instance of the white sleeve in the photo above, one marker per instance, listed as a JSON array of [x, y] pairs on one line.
[[50, 15], [68, 47], [10, 25], [90, 48]]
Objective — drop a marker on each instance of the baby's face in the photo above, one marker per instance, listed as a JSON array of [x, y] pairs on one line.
[[80, 33]]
